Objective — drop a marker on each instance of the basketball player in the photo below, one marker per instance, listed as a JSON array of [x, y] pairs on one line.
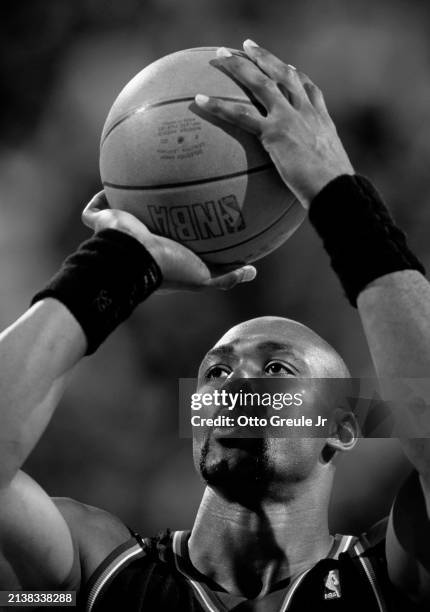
[[260, 540]]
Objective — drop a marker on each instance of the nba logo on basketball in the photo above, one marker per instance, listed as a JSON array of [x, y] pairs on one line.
[[199, 221], [332, 585]]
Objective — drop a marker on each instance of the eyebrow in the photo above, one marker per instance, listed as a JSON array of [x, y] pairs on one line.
[[224, 350]]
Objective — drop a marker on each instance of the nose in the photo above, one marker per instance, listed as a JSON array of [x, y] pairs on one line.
[[245, 387], [246, 369], [239, 381]]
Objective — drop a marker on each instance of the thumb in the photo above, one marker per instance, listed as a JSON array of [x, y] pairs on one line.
[[233, 278], [95, 205]]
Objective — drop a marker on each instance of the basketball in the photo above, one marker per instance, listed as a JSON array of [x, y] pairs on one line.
[[188, 176]]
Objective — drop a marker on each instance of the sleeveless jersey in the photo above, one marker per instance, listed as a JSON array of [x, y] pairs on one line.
[[155, 575]]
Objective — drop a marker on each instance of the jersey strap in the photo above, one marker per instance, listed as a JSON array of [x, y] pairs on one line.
[[359, 553], [110, 567], [204, 595]]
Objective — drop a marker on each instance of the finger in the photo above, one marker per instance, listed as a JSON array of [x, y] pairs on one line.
[[220, 269], [313, 92], [95, 205], [316, 97], [284, 74], [271, 65], [243, 115], [262, 86], [231, 279], [98, 202]]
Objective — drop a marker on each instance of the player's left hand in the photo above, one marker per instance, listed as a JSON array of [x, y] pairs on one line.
[[180, 267], [297, 131]]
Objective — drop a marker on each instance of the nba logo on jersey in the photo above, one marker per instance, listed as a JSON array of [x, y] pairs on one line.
[[332, 585]]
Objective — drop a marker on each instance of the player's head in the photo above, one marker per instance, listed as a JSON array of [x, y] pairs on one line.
[[275, 347]]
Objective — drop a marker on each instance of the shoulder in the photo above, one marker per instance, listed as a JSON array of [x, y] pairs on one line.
[[145, 574], [89, 520], [95, 532]]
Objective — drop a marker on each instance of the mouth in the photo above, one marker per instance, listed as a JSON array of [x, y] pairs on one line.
[[226, 432], [231, 440]]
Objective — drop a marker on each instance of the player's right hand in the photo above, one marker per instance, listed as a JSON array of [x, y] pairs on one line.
[[295, 129], [181, 268]]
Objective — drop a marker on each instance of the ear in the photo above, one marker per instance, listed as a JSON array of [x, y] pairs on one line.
[[344, 432]]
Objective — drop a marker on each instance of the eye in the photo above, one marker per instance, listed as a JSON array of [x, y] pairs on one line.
[[278, 368], [217, 372]]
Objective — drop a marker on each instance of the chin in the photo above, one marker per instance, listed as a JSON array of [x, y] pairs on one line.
[[235, 468]]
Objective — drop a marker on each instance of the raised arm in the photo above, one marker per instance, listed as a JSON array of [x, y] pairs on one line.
[[369, 253], [395, 312], [45, 543]]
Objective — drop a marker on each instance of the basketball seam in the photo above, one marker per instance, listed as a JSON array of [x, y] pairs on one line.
[[222, 177], [145, 107]]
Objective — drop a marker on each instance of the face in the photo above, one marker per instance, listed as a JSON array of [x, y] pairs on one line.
[[265, 348]]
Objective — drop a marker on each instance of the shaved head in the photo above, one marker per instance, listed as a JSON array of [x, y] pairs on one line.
[[267, 348], [320, 356]]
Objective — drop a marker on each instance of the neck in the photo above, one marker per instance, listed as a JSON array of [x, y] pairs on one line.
[[247, 551]]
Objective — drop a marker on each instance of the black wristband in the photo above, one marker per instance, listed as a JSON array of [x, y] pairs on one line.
[[102, 283], [359, 234]]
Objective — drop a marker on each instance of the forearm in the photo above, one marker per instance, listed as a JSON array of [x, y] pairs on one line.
[[395, 313], [36, 352], [383, 278], [95, 290]]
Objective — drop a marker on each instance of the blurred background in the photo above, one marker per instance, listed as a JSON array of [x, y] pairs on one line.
[[114, 440]]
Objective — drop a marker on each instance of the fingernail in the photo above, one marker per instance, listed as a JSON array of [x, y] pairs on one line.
[[291, 66], [249, 43], [249, 273], [223, 52], [201, 99]]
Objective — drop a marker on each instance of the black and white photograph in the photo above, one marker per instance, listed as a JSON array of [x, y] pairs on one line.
[[214, 306]]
